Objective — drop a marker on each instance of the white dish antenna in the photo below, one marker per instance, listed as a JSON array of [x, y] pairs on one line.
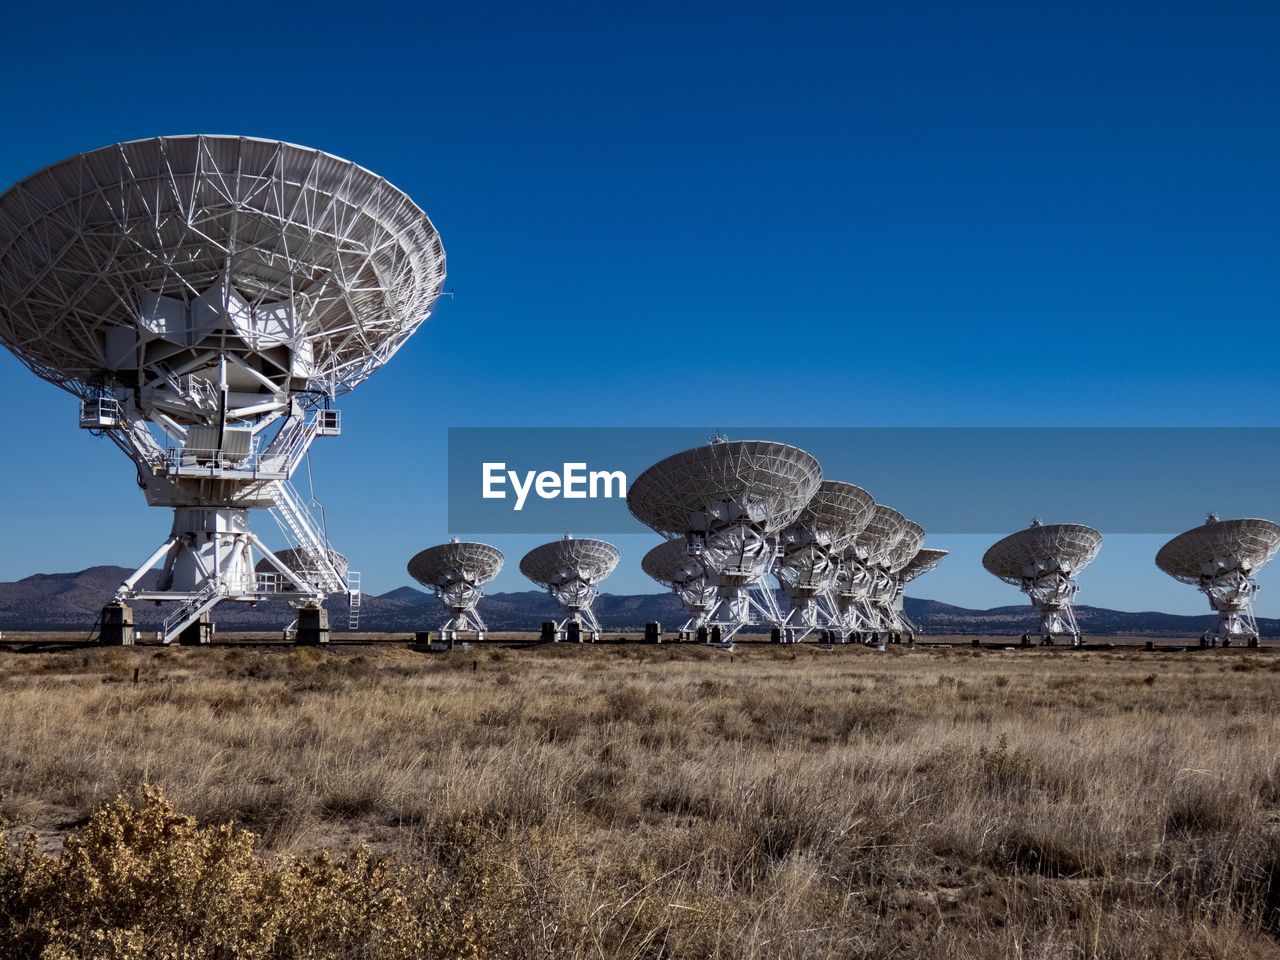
[[885, 527], [925, 560], [670, 564], [889, 541], [457, 572], [207, 297], [907, 546], [1221, 558], [728, 501], [572, 571], [862, 574], [809, 560], [1043, 561]]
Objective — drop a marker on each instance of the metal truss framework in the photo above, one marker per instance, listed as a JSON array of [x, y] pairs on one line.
[[207, 298]]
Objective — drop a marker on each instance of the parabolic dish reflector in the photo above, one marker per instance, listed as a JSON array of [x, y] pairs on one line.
[[883, 530], [840, 509], [906, 547], [448, 563], [925, 560], [669, 563], [298, 560], [145, 255], [773, 481], [1070, 546], [564, 560], [1217, 546]]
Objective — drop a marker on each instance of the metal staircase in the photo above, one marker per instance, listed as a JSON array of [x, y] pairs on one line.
[[195, 606], [288, 449], [297, 521]]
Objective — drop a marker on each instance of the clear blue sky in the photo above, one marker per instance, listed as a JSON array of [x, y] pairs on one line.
[[961, 214]]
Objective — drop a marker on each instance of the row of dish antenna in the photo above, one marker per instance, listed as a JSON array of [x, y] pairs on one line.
[[571, 571], [739, 517], [208, 298], [1221, 558], [733, 516]]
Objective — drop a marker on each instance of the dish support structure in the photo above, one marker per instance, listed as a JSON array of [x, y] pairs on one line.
[[738, 553], [575, 597], [212, 478], [1052, 593], [807, 574], [1231, 597], [460, 599]]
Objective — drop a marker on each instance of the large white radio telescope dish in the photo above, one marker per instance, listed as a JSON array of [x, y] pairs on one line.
[[155, 255], [1221, 557], [770, 482], [810, 556], [571, 571], [1043, 561], [926, 559], [671, 564], [208, 297], [728, 501], [456, 572]]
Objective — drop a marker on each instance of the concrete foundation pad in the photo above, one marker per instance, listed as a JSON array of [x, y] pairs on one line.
[[116, 625], [199, 633], [313, 626]]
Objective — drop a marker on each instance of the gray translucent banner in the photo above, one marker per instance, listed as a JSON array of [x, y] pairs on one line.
[[949, 480]]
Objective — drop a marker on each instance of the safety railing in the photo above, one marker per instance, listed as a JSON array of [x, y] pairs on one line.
[[100, 413]]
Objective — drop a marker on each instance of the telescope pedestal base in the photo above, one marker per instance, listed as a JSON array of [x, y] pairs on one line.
[[313, 626], [199, 633], [116, 625]]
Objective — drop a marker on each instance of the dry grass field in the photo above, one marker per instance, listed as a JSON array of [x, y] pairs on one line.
[[640, 802]]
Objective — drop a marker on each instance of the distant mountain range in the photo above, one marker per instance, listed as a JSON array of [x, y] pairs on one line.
[[72, 601]]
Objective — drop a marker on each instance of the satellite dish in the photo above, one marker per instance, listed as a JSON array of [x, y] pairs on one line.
[[670, 564], [571, 571], [906, 547], [868, 590], [1043, 561], [897, 540], [839, 511], [282, 563], [865, 578], [729, 500], [207, 298], [810, 556], [456, 572], [925, 560], [921, 563], [885, 527], [1221, 558]]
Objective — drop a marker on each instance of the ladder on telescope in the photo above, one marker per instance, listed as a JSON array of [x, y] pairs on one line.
[[353, 599], [296, 519], [192, 609]]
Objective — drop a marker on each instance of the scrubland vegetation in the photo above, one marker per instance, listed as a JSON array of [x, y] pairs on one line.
[[640, 802]]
